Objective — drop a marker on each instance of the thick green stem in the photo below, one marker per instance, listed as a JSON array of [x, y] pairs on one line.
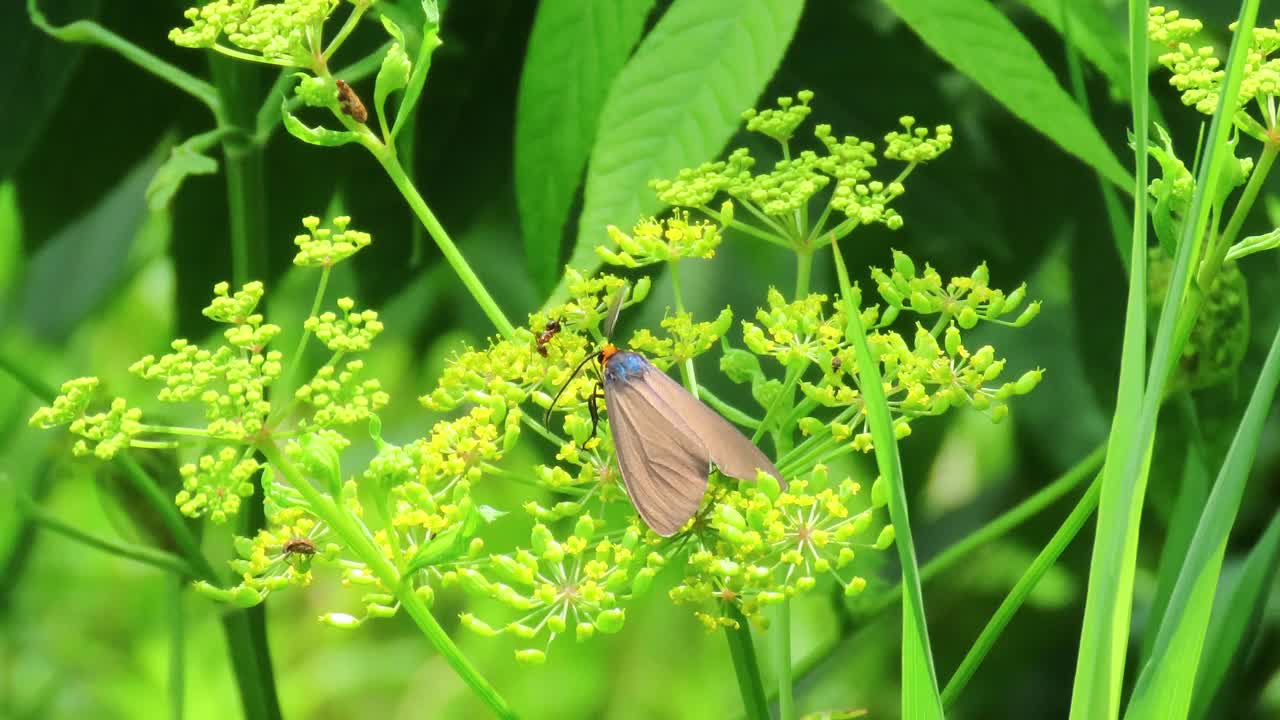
[[391, 164], [804, 267], [245, 170], [358, 540], [745, 665], [782, 661]]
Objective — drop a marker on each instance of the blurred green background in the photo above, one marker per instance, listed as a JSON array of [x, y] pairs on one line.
[[91, 279]]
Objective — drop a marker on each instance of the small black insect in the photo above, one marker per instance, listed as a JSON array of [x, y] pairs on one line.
[[548, 332]]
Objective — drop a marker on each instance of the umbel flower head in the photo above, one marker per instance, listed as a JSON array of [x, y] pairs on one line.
[[845, 165], [280, 33], [1197, 72], [764, 546]]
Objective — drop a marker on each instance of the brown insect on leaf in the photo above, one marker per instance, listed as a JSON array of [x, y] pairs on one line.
[[350, 102]]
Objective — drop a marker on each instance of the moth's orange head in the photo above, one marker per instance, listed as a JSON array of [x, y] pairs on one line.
[[607, 352]]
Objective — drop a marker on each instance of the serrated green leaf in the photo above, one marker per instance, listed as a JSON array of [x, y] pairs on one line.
[[983, 44], [676, 103], [315, 135], [393, 74], [562, 89]]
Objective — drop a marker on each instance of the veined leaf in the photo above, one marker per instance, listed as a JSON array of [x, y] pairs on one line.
[[575, 52], [676, 104], [983, 44]]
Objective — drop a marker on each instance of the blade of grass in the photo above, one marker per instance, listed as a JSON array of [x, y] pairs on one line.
[[919, 679], [1013, 601], [1193, 493], [177, 650], [1235, 619], [1105, 632], [1164, 686]]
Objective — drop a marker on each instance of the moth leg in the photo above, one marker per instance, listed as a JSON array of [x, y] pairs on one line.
[[593, 404]]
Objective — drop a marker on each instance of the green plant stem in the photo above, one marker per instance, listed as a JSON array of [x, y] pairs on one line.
[[391, 164], [244, 167], [91, 33], [730, 413], [804, 267], [919, 679], [358, 9], [1257, 178], [782, 661], [686, 369], [358, 540], [995, 529], [1045, 560], [177, 651], [745, 665], [139, 553]]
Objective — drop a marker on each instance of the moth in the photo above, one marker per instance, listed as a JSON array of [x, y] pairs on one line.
[[667, 440]]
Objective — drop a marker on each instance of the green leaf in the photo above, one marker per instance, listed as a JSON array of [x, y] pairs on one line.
[[676, 104], [315, 135], [1235, 618], [984, 45], [1098, 39], [84, 262], [1105, 631], [185, 159], [562, 89], [1253, 244], [1164, 686], [394, 73], [920, 697], [444, 547], [421, 66]]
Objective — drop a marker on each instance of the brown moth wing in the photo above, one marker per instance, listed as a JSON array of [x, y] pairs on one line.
[[732, 452], [664, 464]]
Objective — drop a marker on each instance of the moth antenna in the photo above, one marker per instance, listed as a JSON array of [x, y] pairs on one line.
[[546, 417]]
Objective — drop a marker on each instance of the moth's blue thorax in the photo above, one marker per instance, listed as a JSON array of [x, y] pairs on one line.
[[624, 366]]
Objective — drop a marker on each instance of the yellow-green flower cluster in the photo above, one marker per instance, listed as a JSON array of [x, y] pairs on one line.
[[685, 339], [780, 124], [797, 177], [695, 187], [279, 556], [573, 584], [512, 371], [350, 332], [325, 247], [794, 331], [967, 299], [341, 397], [104, 434], [286, 33], [229, 383], [1197, 71], [668, 240], [765, 546], [213, 485]]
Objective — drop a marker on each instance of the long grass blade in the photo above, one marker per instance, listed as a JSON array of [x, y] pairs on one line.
[[1165, 683], [920, 697], [1105, 632]]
